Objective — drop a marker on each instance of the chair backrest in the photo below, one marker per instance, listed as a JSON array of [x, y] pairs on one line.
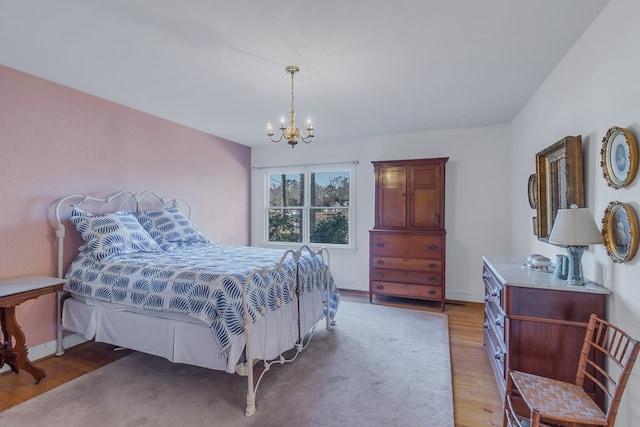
[[606, 341]]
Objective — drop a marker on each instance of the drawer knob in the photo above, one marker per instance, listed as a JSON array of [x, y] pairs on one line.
[[433, 279], [380, 245], [432, 292], [379, 274], [380, 262], [433, 265], [432, 247], [380, 287]]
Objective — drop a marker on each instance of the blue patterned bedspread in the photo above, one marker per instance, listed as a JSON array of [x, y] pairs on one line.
[[204, 281]]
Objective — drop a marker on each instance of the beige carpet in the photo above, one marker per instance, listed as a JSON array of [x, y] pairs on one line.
[[380, 366]]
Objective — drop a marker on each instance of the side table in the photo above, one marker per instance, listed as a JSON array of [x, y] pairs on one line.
[[14, 292]]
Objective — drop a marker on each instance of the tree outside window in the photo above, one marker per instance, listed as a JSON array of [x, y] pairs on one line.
[[309, 207], [286, 199]]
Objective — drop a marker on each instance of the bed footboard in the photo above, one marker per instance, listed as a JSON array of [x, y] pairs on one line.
[[254, 368]]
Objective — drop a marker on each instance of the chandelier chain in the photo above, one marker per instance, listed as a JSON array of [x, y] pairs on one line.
[[292, 95]]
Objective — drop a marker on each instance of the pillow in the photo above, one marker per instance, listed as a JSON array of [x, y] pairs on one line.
[[112, 234], [170, 228]]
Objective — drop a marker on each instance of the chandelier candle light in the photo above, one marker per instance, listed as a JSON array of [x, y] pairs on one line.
[[291, 133], [575, 229]]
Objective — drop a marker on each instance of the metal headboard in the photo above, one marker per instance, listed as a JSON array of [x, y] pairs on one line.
[[123, 199]]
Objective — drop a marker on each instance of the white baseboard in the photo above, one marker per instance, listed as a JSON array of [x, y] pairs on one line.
[[49, 348], [463, 296]]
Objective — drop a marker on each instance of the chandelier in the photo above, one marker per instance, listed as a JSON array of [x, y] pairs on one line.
[[291, 133]]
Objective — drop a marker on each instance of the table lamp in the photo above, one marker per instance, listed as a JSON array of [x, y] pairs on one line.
[[575, 229]]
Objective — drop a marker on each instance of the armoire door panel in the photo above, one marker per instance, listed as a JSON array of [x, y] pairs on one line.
[[392, 195], [425, 192]]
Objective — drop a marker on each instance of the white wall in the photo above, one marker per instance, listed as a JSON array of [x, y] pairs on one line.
[[596, 86], [477, 212]]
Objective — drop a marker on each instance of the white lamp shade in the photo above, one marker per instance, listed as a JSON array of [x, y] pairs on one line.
[[575, 227]]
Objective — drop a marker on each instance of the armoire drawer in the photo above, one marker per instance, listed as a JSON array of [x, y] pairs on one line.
[[433, 265], [406, 245], [406, 276], [407, 290]]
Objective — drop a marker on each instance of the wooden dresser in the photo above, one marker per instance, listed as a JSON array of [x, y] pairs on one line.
[[535, 322], [407, 246]]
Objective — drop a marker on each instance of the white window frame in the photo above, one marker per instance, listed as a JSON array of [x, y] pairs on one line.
[[307, 170]]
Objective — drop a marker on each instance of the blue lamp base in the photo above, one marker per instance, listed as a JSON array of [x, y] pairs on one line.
[[575, 265]]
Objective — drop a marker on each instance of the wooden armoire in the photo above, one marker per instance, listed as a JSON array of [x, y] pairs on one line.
[[407, 245]]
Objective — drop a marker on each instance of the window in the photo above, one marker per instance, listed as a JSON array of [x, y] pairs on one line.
[[310, 205]]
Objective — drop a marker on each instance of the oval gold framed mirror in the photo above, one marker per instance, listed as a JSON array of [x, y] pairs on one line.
[[533, 191], [620, 231], [619, 157]]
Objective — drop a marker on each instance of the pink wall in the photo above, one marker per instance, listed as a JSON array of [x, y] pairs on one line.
[[57, 141]]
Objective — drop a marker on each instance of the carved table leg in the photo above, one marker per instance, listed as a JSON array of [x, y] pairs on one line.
[[6, 352], [17, 356]]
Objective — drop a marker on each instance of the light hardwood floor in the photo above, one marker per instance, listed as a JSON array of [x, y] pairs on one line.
[[475, 394]]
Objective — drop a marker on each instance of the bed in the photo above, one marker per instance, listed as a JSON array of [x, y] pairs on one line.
[[146, 279]]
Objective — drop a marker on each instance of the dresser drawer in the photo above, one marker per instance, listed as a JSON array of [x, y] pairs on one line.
[[407, 264], [493, 299], [407, 290], [497, 357], [421, 277], [407, 245], [494, 321], [494, 292]]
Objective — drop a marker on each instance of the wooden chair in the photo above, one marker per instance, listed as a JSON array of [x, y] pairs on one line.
[[551, 402]]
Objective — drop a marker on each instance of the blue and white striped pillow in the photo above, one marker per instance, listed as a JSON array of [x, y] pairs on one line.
[[170, 228], [112, 234]]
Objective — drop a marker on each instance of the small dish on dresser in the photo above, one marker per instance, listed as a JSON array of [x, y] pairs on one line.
[[549, 269], [539, 263]]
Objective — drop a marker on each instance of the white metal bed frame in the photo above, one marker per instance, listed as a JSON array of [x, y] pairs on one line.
[[249, 367]]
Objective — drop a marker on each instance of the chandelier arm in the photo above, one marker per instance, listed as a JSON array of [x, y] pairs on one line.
[[275, 140]]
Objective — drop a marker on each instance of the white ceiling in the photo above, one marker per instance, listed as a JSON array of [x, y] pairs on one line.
[[368, 67]]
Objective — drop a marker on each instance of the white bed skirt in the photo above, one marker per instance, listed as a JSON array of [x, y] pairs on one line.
[[182, 339]]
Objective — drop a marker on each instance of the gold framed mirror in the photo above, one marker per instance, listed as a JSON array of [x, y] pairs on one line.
[[560, 178]]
